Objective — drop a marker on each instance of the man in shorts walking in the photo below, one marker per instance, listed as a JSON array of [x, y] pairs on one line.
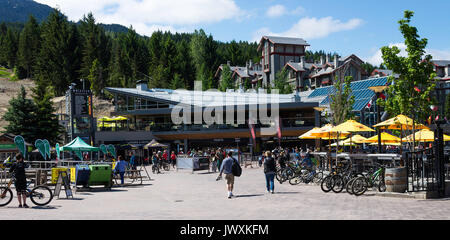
[[226, 168]]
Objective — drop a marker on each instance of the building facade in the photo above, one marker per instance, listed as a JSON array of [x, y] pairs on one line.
[[276, 52], [150, 115]]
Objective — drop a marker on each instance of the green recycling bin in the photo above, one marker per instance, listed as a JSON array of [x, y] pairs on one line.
[[100, 175]]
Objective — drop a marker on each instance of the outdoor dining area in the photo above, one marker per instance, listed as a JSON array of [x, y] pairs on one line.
[[398, 143]]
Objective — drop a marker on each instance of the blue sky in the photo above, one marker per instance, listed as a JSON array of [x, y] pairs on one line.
[[344, 26]]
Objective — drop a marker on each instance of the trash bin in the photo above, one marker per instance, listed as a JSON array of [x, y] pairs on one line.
[[55, 173], [82, 175], [100, 175]]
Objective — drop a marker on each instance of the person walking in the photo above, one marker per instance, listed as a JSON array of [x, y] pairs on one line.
[[18, 168], [120, 168], [173, 159], [269, 170], [226, 168], [219, 158], [155, 162]]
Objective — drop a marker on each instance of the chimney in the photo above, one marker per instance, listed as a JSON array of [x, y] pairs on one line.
[[322, 60], [328, 59], [336, 62], [251, 64], [302, 62], [247, 68]]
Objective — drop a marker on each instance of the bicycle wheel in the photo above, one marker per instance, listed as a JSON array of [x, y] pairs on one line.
[[41, 195], [6, 196], [278, 175], [166, 167], [295, 180], [327, 184], [359, 186], [339, 184], [348, 186], [382, 186], [318, 177]]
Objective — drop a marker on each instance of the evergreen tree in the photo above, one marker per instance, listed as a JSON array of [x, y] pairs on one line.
[[184, 65], [8, 48], [95, 47], [47, 122], [59, 58], [21, 117], [96, 78], [29, 47], [177, 82], [204, 54]]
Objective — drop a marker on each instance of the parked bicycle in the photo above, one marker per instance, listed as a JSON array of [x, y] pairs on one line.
[[374, 180], [40, 195]]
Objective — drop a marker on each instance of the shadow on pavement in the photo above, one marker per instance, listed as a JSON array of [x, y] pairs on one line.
[[45, 207], [250, 195], [287, 192]]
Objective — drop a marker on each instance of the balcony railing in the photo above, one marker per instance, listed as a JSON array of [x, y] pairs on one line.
[[170, 127]]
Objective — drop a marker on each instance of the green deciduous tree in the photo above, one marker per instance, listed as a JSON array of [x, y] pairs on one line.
[[341, 102], [227, 80], [281, 83], [411, 93]]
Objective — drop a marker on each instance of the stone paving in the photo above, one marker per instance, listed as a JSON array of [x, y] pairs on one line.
[[185, 196]]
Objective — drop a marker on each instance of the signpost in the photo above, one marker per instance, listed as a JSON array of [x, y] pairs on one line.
[[63, 179]]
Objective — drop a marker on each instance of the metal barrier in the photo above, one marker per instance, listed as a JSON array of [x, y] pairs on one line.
[[421, 170]]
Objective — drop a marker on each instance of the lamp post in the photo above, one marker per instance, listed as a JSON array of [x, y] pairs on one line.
[[378, 90]]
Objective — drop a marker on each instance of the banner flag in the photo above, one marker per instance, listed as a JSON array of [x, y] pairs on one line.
[[20, 143]]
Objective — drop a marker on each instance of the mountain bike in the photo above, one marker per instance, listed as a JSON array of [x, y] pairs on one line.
[[376, 179], [40, 195], [155, 169]]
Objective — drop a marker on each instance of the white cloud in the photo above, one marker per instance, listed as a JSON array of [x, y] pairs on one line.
[[150, 14], [377, 57], [313, 28], [280, 10], [276, 11]]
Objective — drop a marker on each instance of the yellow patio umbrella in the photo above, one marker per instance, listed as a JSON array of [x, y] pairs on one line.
[[388, 144], [120, 118], [327, 132], [308, 135], [105, 119], [344, 143], [401, 122], [385, 138], [357, 139], [424, 135], [352, 126]]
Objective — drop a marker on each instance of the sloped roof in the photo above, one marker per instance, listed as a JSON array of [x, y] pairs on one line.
[[441, 63], [360, 89], [283, 40]]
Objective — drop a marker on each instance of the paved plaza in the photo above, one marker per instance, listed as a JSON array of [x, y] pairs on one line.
[[185, 196]]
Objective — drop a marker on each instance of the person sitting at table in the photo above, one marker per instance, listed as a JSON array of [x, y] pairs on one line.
[[120, 168]]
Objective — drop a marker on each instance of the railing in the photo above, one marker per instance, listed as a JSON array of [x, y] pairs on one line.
[[169, 127], [421, 170]]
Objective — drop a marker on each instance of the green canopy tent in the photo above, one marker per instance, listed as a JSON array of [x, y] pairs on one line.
[[78, 146]]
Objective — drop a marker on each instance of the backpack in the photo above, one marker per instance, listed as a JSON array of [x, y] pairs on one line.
[[236, 168]]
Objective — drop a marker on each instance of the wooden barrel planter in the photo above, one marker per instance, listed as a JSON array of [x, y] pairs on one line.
[[396, 180]]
